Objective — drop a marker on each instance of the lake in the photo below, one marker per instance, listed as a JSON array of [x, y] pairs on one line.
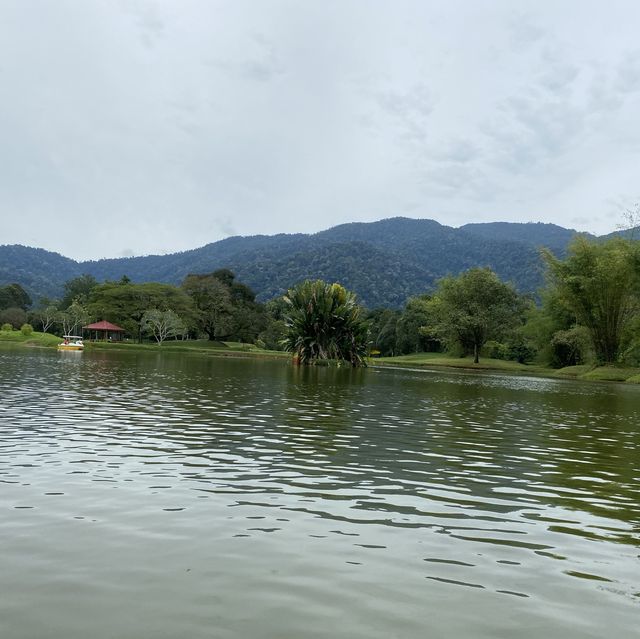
[[171, 495]]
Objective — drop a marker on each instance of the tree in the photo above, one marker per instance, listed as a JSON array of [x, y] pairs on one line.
[[383, 323], [472, 308], [324, 322], [275, 329], [14, 316], [125, 303], [410, 338], [14, 296], [46, 317], [162, 324], [73, 317], [212, 301], [600, 283], [78, 288]]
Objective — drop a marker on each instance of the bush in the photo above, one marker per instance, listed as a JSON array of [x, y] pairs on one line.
[[7, 327], [26, 329], [495, 350], [570, 348], [324, 322]]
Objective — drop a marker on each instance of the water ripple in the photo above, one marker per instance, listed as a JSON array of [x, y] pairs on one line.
[[515, 486]]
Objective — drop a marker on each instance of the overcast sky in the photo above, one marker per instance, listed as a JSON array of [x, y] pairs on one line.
[[141, 126]]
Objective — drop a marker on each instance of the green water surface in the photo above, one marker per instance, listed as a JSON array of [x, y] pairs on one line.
[[170, 495]]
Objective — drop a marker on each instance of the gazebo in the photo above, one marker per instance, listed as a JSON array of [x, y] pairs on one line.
[[105, 331]]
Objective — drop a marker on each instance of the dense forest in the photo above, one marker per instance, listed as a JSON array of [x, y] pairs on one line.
[[385, 263]]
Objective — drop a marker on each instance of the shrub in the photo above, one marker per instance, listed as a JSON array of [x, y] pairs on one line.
[[324, 322], [495, 350], [569, 348], [7, 327], [26, 329]]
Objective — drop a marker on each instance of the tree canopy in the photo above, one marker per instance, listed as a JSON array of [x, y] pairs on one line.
[[472, 308], [599, 282], [14, 296], [126, 303]]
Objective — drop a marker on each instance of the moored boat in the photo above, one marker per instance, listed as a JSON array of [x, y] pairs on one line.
[[71, 343]]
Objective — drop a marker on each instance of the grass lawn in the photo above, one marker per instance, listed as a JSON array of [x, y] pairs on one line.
[[35, 339], [586, 372], [442, 359], [201, 346], [612, 373], [573, 371]]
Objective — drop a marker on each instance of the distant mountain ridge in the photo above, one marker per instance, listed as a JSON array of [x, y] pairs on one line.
[[384, 262]]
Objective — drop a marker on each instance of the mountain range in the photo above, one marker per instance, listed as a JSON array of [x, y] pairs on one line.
[[384, 262]]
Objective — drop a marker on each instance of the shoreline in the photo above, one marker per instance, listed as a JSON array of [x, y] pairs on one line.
[[586, 372]]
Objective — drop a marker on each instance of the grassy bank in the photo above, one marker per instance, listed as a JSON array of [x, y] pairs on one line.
[[39, 340], [427, 360], [442, 359], [600, 373], [585, 372], [205, 347]]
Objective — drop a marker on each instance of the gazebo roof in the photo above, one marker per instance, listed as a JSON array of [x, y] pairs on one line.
[[104, 326]]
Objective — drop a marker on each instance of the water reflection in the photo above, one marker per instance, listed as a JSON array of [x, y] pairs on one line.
[[521, 487]]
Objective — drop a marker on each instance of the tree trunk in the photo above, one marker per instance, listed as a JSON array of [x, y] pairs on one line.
[[476, 358]]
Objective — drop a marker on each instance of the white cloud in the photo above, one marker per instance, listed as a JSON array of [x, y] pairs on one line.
[[159, 126]]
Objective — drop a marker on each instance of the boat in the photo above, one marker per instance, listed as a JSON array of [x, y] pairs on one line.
[[71, 343]]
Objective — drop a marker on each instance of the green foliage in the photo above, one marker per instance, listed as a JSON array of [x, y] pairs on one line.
[[7, 327], [14, 296], [14, 316], [324, 322], [384, 262], [410, 338], [383, 323], [273, 335], [472, 308], [599, 283], [126, 303], [212, 301], [225, 308], [45, 318], [77, 289], [570, 347], [26, 329], [32, 339], [162, 324], [73, 318]]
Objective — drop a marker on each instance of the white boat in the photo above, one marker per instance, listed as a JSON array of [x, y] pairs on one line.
[[71, 343]]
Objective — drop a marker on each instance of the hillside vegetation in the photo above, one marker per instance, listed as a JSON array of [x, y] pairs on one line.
[[383, 262]]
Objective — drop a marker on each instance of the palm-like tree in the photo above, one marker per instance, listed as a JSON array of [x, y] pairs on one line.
[[324, 322]]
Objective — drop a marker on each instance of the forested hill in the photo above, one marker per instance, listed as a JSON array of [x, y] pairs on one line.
[[384, 262]]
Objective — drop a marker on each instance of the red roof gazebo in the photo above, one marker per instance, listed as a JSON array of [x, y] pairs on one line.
[[105, 330]]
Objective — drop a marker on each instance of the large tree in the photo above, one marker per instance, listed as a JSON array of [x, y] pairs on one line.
[[14, 296], [77, 289], [125, 303], [325, 322], [409, 336], [600, 283], [472, 308], [213, 303], [162, 324]]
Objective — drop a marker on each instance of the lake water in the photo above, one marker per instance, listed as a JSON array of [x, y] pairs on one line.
[[147, 495]]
